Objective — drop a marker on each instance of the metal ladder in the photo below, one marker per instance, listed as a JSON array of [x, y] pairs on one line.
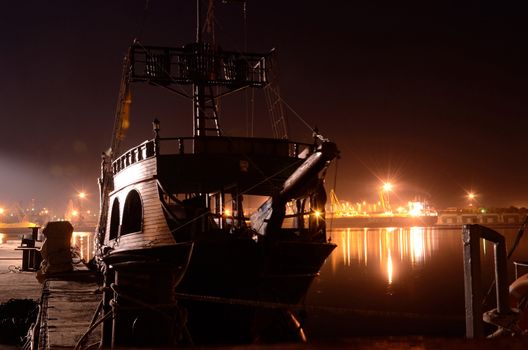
[[206, 112]]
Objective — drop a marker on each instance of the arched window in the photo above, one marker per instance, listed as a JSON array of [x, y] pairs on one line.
[[114, 220], [132, 213]]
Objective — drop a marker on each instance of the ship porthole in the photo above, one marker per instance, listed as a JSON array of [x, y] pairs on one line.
[[132, 213]]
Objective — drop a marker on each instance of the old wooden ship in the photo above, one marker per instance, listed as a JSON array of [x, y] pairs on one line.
[[185, 257]]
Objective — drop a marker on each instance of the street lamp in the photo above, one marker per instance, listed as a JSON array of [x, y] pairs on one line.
[[471, 197], [384, 196]]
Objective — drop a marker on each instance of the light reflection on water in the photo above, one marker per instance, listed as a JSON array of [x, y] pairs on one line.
[[385, 247], [397, 270]]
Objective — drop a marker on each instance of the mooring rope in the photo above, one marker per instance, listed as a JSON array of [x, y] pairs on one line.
[[308, 307], [12, 269]]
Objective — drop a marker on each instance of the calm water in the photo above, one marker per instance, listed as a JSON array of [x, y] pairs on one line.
[[417, 271]]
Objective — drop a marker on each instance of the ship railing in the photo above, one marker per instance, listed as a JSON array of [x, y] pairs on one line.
[[211, 145], [143, 151], [234, 145], [198, 63]]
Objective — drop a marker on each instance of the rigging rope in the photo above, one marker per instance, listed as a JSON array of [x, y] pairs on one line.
[[241, 193], [144, 19], [334, 189], [275, 92]]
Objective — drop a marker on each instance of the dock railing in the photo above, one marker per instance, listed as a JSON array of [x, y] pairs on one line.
[[471, 236]]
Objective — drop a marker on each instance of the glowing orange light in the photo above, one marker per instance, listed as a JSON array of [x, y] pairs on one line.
[[82, 195], [227, 212], [387, 186], [390, 268], [416, 208], [2, 210]]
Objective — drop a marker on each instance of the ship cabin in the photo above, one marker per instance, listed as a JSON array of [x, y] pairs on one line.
[[170, 190]]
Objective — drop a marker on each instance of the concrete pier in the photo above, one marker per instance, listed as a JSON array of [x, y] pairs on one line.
[[68, 305], [68, 301], [16, 284]]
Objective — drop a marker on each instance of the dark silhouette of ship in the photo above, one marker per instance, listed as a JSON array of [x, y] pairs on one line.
[[185, 257]]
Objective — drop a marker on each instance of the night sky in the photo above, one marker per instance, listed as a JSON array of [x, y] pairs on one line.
[[430, 97]]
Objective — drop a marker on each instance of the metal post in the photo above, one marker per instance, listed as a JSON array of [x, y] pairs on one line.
[[472, 283], [181, 146], [473, 294], [501, 269]]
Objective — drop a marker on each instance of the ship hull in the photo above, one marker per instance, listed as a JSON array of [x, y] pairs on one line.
[[232, 290], [237, 291]]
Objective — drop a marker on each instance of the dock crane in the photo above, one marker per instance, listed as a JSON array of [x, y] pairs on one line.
[[336, 207]]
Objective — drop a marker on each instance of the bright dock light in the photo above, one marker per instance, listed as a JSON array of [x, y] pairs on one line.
[[387, 186]]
